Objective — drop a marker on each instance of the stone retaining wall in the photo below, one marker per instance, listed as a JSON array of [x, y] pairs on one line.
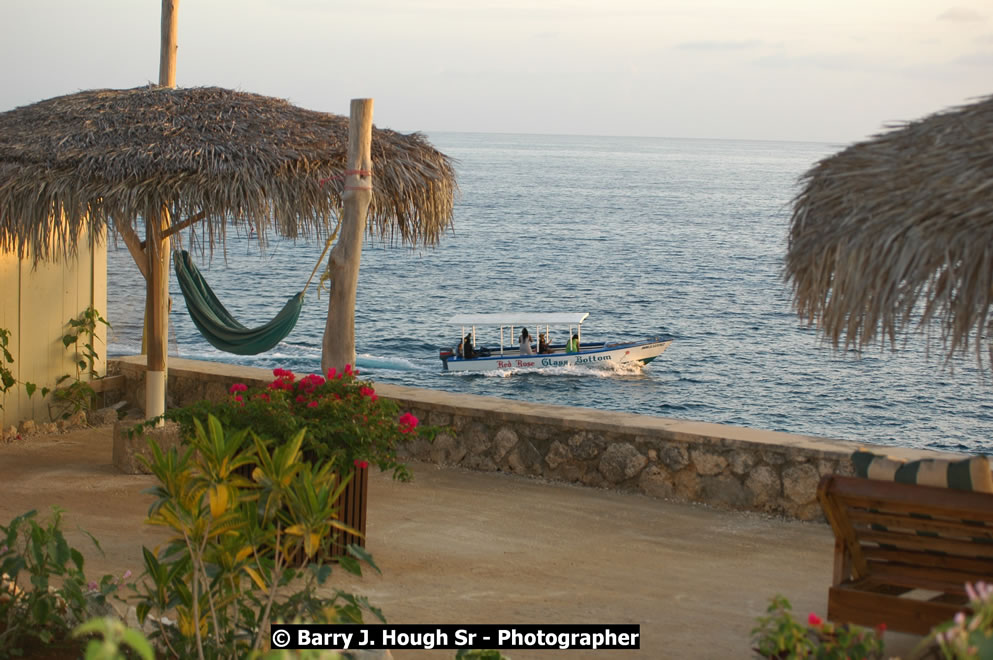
[[716, 464]]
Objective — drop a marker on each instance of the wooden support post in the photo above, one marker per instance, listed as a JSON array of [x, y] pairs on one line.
[[338, 347], [169, 46], [157, 308], [157, 249]]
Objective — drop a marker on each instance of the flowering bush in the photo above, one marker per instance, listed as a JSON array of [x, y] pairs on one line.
[[969, 636], [779, 635], [346, 422]]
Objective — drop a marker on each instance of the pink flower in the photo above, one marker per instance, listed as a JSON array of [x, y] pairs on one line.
[[369, 392], [332, 372], [407, 423], [262, 396], [312, 404], [361, 464], [814, 620], [348, 369], [237, 397], [301, 398], [238, 387]]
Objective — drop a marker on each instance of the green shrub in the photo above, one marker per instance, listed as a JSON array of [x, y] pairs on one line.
[[113, 635], [780, 636], [243, 552], [33, 609]]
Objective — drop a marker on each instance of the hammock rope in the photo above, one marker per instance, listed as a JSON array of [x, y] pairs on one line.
[[216, 323]]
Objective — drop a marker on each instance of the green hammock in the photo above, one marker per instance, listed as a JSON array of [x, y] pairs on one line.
[[218, 326]]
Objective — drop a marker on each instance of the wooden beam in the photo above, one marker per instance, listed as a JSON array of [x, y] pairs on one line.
[[179, 226], [169, 46], [135, 247], [108, 384]]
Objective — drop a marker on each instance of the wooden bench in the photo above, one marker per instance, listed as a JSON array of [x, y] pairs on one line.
[[904, 552]]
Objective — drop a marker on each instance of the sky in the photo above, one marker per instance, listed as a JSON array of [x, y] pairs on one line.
[[807, 70]]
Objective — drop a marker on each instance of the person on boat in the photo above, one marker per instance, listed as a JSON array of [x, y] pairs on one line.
[[526, 348], [543, 346], [572, 346], [468, 352]]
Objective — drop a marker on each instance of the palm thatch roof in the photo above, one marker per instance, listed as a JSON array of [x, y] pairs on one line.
[[107, 156], [897, 232]]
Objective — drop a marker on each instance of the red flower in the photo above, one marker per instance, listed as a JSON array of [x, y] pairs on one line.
[[361, 464], [880, 629], [369, 392], [313, 380], [408, 423], [283, 374], [814, 620], [332, 372], [301, 398], [312, 404], [348, 369], [238, 387], [262, 396]]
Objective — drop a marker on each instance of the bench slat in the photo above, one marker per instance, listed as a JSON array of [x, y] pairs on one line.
[[872, 609], [891, 497], [905, 541], [956, 527], [918, 577], [931, 560]]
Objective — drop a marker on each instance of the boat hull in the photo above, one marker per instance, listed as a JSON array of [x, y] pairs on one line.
[[603, 355]]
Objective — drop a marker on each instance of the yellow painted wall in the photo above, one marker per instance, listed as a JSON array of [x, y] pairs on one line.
[[36, 303]]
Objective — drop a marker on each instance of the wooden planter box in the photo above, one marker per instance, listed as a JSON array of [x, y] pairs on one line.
[[352, 504]]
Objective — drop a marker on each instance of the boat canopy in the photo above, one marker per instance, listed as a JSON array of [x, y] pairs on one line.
[[520, 318]]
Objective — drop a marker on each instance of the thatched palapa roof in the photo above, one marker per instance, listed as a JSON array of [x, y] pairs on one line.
[[120, 155], [897, 232]]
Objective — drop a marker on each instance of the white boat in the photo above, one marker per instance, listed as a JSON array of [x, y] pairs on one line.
[[508, 355]]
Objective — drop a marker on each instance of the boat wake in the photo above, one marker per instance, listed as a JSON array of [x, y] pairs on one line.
[[379, 363]]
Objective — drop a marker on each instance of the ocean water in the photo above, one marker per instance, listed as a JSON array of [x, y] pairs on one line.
[[651, 236]]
